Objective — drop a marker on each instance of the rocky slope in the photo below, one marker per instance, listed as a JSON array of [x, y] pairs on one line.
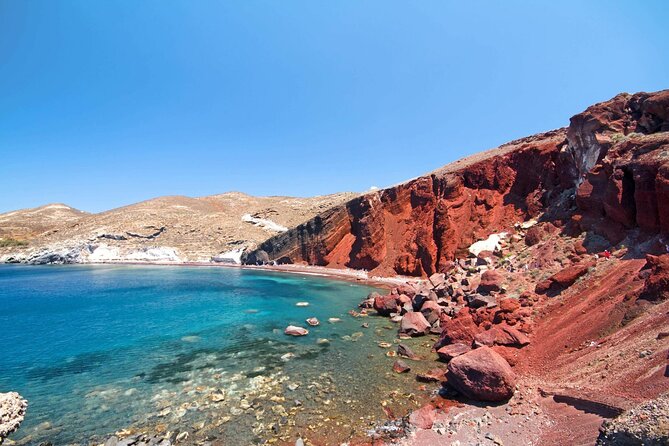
[[165, 229], [606, 173], [25, 224]]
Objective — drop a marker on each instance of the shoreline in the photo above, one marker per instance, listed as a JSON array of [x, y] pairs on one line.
[[347, 275]]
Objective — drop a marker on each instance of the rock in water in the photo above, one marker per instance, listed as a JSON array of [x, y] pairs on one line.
[[401, 367], [293, 330], [414, 324], [385, 305], [313, 321], [12, 410], [482, 374], [403, 350]]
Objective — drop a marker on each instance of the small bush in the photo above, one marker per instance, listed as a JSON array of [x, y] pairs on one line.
[[10, 242]]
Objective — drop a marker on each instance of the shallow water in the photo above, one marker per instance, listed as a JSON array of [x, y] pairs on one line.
[[97, 349]]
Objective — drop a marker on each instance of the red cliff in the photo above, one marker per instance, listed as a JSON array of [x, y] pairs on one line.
[[607, 173]]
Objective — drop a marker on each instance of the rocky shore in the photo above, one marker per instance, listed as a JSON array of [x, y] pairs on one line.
[[12, 411]]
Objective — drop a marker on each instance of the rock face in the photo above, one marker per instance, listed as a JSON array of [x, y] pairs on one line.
[[482, 374], [12, 411], [612, 158]]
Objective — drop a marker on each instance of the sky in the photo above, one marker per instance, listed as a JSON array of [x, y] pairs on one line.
[[104, 103]]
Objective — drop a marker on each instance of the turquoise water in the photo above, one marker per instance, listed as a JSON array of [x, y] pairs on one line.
[[97, 349]]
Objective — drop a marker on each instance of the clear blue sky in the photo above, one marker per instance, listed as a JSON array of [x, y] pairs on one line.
[[105, 103]]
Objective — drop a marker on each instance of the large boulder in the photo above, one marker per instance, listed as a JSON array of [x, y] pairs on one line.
[[656, 286], [385, 305], [502, 335], [12, 410], [491, 280], [431, 310], [563, 279], [414, 324], [482, 374], [460, 329]]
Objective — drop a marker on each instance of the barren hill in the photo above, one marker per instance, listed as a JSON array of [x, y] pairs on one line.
[[25, 224], [171, 229]]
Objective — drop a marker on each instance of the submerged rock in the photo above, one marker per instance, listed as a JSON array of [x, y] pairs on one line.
[[293, 330], [403, 350], [401, 367], [313, 321]]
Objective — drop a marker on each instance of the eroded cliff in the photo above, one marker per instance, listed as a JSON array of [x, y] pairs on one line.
[[606, 173]]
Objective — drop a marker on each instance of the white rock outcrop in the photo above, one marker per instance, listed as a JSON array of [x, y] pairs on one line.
[[12, 410]]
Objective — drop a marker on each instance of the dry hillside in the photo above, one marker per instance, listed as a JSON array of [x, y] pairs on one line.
[[173, 229]]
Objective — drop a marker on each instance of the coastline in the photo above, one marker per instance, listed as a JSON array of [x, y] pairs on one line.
[[347, 275]]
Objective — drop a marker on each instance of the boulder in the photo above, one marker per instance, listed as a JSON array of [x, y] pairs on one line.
[[511, 337], [509, 305], [431, 310], [404, 350], [385, 305], [460, 329], [656, 287], [404, 303], [438, 280], [486, 337], [482, 374], [563, 279], [479, 300], [491, 280], [502, 335], [314, 322], [414, 324], [534, 235], [400, 366], [423, 296], [293, 330], [369, 301], [453, 350], [432, 376]]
